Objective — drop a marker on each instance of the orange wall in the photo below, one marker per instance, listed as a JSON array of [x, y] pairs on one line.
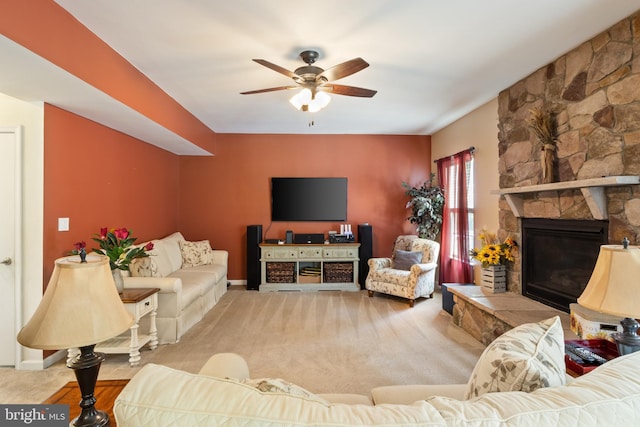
[[98, 177], [221, 195], [48, 30]]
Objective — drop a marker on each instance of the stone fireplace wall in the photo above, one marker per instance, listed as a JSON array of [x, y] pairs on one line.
[[593, 93]]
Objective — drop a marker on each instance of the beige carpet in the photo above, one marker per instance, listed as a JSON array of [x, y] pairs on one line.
[[323, 341]]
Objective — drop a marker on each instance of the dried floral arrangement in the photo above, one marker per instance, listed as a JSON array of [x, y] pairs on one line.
[[542, 124], [544, 127]]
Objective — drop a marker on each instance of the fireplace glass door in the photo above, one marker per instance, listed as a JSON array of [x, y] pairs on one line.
[[558, 257]]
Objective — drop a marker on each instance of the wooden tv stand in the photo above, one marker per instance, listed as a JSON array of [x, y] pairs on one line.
[[309, 267]]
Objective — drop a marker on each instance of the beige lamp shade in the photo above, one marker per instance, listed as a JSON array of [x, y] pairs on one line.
[[614, 285], [80, 307]]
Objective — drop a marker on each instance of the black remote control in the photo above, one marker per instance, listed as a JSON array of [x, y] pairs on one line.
[[574, 358], [570, 351], [585, 354]]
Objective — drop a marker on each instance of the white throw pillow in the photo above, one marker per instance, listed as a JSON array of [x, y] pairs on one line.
[[526, 358], [171, 246], [196, 253]]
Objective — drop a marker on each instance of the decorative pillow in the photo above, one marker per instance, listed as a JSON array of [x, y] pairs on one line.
[[526, 358], [403, 260], [276, 385], [196, 253], [144, 267]]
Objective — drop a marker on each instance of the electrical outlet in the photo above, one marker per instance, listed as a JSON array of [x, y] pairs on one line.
[[63, 224]]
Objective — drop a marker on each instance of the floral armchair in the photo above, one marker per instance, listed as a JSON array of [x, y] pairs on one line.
[[410, 272]]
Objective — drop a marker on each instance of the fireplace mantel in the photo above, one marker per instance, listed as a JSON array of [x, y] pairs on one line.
[[592, 190]]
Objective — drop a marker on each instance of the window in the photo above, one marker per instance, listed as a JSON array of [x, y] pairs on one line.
[[455, 174], [454, 210]]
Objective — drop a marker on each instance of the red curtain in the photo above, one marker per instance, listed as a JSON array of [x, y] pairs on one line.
[[455, 265]]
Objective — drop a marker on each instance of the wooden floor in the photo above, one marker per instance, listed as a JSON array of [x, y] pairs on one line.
[[105, 393]]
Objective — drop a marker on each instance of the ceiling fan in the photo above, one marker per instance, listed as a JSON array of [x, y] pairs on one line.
[[315, 81]]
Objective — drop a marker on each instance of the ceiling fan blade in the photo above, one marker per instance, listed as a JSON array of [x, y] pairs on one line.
[[348, 90], [277, 68], [343, 70], [271, 89]]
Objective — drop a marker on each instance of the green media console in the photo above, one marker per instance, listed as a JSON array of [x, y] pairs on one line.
[[309, 267]]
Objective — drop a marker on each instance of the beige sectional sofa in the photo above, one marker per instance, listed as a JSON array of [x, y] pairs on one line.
[[191, 276], [609, 396], [223, 394]]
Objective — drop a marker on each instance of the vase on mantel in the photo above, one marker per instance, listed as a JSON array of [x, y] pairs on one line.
[[547, 157], [494, 278], [118, 280]]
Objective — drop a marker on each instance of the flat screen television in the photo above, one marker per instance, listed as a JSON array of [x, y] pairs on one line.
[[308, 199]]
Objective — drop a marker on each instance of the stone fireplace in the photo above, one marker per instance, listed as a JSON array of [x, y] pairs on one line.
[[593, 94]]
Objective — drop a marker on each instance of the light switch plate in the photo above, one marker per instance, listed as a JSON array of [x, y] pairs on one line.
[[63, 224]]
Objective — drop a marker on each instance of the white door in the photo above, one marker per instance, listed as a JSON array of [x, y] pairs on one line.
[[9, 193]]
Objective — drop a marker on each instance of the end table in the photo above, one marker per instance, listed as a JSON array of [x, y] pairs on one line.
[[139, 302], [106, 392]]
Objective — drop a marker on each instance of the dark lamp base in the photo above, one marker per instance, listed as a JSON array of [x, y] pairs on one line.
[[86, 366], [628, 341]]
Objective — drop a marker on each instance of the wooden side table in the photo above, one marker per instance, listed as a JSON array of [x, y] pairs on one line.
[[105, 393], [139, 302]]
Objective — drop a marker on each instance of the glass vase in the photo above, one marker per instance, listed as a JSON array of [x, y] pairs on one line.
[[118, 280]]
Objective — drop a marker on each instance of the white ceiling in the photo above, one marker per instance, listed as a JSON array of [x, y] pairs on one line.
[[430, 61]]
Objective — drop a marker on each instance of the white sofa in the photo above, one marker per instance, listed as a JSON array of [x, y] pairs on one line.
[[221, 394], [191, 276]]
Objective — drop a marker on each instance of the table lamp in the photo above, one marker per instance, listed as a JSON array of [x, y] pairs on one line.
[[613, 289], [79, 308]]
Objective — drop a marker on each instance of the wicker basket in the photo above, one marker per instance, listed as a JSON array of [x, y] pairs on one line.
[[338, 272], [281, 272]]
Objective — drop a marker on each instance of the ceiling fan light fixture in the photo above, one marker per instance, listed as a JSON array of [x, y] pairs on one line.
[[301, 98], [306, 101], [319, 101]]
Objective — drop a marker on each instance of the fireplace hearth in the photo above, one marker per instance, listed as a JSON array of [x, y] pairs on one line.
[[558, 256]]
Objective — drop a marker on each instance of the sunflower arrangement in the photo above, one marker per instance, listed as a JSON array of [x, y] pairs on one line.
[[494, 252]]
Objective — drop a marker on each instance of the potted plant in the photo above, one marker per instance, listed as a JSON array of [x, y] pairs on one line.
[[494, 252], [117, 244], [494, 256], [426, 205]]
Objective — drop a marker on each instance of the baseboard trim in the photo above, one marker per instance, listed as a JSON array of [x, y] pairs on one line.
[[30, 365], [37, 364], [55, 357]]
